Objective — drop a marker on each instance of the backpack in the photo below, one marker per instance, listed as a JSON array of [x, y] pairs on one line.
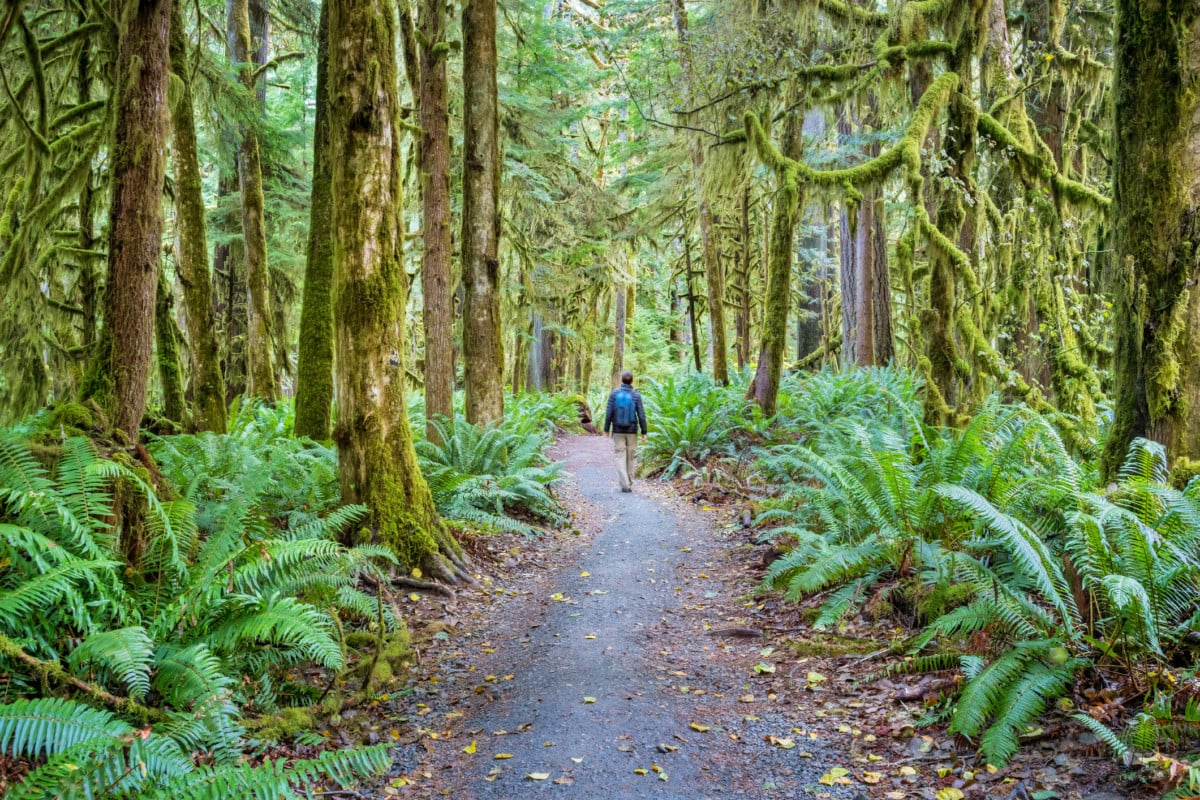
[[625, 412]]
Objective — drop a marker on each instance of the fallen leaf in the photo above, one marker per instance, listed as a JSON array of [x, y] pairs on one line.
[[746, 698], [590, 636], [537, 776], [470, 749], [414, 597], [585, 574], [763, 668], [589, 700], [908, 771], [949, 793], [836, 777], [565, 780], [502, 756], [872, 777], [577, 760], [696, 726], [641, 771]]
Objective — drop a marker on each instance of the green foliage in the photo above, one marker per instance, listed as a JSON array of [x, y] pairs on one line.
[[692, 421], [88, 752], [484, 474], [241, 577], [996, 530]]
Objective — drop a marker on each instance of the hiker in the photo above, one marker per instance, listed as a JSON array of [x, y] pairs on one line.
[[623, 417]]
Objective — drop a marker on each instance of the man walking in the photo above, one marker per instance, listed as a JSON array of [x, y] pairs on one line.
[[623, 417]]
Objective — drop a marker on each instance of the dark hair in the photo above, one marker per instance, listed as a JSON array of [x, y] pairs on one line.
[[626, 377]]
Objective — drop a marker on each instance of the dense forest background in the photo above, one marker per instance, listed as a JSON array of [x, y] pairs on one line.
[[390, 237]]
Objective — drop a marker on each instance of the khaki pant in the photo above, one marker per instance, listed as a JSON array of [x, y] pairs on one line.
[[625, 447]]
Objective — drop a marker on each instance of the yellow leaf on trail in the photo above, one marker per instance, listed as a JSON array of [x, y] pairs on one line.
[[590, 636], [538, 776], [949, 793], [502, 756], [836, 777], [908, 771], [587, 700], [414, 597], [585, 574], [577, 760], [655, 768], [641, 771], [696, 726], [814, 679], [416, 572], [746, 698], [872, 777], [763, 668], [470, 749]]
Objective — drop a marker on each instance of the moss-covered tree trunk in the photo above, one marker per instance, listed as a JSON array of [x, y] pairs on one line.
[[713, 275], [377, 463], [1157, 209], [167, 345], [314, 367], [483, 347], [191, 262], [436, 273], [788, 205], [260, 357], [120, 369]]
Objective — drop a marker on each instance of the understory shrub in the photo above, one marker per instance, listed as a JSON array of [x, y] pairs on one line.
[[995, 543], [179, 602], [492, 475]]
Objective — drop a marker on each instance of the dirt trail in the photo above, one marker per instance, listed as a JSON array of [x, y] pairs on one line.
[[595, 663]]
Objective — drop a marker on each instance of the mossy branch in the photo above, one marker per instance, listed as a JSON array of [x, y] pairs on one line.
[[1036, 166], [53, 671], [905, 153]]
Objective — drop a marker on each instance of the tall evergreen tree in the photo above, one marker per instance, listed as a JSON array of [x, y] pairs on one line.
[[260, 364], [207, 381], [120, 369], [314, 367], [483, 345], [436, 283], [1157, 206], [377, 462]]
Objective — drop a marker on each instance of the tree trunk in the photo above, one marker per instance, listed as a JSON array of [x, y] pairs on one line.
[[207, 382], [377, 463], [789, 203], [483, 348], [260, 364], [882, 339], [619, 320], [693, 324], [704, 216], [314, 368], [1157, 210], [120, 370], [166, 339], [436, 275], [742, 317]]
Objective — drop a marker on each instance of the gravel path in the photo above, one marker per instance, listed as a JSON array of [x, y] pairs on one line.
[[603, 670]]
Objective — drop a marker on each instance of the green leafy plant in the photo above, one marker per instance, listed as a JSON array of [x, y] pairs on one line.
[[484, 474]]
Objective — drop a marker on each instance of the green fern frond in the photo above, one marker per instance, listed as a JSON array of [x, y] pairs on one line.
[[127, 653]]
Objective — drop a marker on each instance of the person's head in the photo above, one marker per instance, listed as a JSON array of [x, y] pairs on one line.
[[627, 378]]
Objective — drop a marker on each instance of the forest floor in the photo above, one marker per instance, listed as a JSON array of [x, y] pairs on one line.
[[629, 656]]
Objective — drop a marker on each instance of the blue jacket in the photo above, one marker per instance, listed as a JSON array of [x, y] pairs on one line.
[[610, 414]]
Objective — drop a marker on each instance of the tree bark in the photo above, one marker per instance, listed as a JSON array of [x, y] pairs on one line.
[[207, 382], [483, 347], [789, 203], [619, 319], [1157, 210], [741, 322], [121, 368], [166, 339], [260, 364], [377, 463], [436, 274], [693, 323], [713, 274], [314, 368]]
